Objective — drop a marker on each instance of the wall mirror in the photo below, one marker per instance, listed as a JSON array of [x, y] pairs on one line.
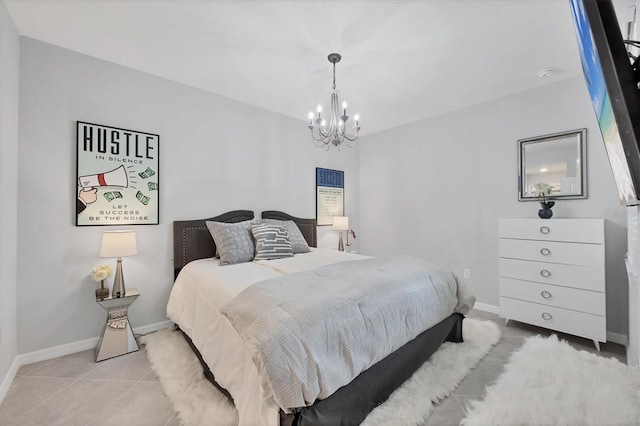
[[558, 160]]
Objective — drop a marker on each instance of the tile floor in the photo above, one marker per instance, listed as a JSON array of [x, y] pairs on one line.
[[74, 390]]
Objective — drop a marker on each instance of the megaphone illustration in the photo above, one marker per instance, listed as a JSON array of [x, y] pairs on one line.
[[116, 177]]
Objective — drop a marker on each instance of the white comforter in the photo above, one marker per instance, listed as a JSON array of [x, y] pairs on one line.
[[197, 298]]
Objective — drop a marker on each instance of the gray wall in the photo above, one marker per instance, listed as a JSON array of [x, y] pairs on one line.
[[9, 76], [436, 188], [215, 155]]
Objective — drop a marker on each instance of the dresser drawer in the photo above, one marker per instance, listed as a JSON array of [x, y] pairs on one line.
[[591, 302], [552, 251], [572, 322], [571, 230], [551, 273]]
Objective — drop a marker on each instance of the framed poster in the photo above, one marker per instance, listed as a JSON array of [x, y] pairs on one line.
[[117, 176], [329, 195]]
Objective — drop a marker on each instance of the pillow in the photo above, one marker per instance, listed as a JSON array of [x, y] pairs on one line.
[[272, 241], [298, 243], [234, 242]]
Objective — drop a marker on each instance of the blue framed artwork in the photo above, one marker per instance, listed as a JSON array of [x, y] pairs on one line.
[[329, 195]]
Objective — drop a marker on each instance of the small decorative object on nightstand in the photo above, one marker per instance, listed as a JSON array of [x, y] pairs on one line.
[[118, 244], [353, 234], [101, 273], [117, 336]]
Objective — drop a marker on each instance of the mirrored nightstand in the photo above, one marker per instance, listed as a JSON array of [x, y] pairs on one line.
[[117, 336]]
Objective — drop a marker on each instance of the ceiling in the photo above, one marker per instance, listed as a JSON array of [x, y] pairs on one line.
[[402, 61]]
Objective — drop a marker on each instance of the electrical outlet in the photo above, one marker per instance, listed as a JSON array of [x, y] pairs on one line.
[[466, 273]]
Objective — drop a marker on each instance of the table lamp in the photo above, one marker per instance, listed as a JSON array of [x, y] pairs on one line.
[[118, 244], [340, 223]]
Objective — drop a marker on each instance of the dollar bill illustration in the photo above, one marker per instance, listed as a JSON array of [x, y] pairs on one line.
[[152, 186], [110, 196], [142, 198], [147, 173]]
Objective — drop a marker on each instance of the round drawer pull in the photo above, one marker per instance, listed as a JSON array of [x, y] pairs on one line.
[[545, 273], [544, 230], [545, 251], [545, 294], [546, 316]]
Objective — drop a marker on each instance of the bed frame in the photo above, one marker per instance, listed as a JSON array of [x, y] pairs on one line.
[[353, 402]]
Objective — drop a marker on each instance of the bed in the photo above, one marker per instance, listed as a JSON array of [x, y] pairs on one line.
[[202, 314]]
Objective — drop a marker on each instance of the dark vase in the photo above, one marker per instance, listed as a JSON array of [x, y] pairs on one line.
[[545, 213]]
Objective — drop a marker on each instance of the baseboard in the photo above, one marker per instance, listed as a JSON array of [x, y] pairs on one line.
[[82, 345], [8, 379], [67, 349], [146, 329], [487, 308], [617, 338], [57, 351]]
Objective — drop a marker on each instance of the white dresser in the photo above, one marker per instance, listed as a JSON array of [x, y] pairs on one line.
[[552, 274]]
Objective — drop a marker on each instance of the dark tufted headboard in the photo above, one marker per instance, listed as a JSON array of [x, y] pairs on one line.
[[192, 240]]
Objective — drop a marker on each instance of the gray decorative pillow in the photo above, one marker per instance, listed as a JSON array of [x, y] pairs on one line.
[[272, 242], [234, 242], [298, 243]]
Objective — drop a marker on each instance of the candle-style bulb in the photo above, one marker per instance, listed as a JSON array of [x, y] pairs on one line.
[[319, 109], [344, 105]]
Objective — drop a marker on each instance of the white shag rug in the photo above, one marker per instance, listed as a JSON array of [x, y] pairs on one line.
[[548, 382], [198, 402]]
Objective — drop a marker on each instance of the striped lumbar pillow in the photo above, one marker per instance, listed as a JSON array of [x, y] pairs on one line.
[[272, 241]]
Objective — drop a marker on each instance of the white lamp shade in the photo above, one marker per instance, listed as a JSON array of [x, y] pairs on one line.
[[118, 244], [341, 223]]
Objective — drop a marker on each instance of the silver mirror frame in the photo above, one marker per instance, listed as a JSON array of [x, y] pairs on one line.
[[581, 135]]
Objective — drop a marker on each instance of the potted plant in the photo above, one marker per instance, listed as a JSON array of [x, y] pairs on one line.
[[101, 273], [544, 189]]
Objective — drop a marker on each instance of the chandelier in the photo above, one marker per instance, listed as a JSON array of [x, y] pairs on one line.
[[335, 132]]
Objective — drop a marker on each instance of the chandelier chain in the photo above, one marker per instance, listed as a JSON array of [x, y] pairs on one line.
[[334, 76]]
